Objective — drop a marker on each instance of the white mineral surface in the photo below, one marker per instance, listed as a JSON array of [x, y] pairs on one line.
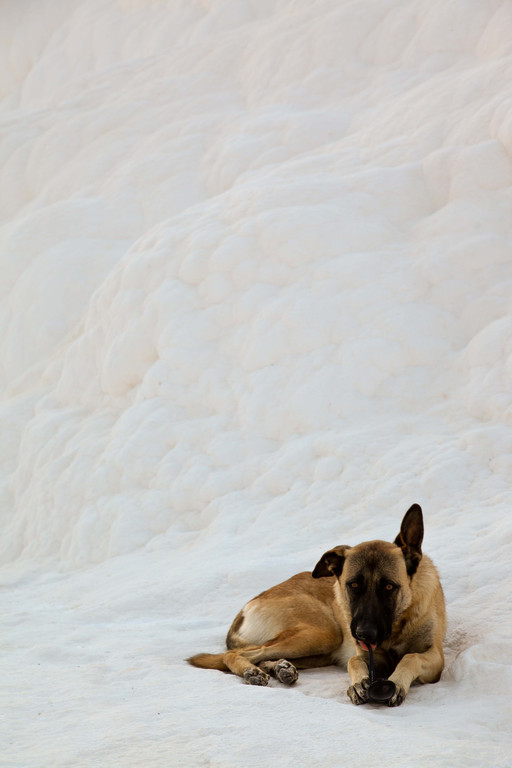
[[255, 300]]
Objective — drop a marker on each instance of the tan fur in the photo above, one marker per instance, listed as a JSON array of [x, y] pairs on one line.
[[307, 620]]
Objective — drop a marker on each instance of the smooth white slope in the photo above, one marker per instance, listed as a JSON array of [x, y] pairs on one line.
[[255, 301]]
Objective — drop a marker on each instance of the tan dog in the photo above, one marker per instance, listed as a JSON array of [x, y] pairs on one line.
[[386, 596]]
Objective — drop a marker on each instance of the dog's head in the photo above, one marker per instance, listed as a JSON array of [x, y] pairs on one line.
[[375, 579]]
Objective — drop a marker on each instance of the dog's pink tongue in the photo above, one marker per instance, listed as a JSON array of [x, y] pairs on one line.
[[365, 647]]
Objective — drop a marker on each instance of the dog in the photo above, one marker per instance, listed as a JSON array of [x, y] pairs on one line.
[[377, 594]]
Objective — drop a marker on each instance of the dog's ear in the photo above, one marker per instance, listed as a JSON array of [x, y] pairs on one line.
[[410, 537], [331, 563]]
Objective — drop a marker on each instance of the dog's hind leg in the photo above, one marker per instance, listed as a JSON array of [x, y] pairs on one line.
[[255, 662], [282, 670], [238, 663]]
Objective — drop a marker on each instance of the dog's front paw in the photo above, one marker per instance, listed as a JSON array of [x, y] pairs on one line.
[[397, 697], [256, 677], [358, 693]]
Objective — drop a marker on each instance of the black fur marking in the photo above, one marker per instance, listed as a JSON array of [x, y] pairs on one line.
[[331, 563], [410, 538]]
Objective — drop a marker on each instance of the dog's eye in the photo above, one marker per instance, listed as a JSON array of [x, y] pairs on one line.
[[390, 587], [354, 584]]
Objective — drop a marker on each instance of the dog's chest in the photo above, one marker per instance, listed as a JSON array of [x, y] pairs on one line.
[[344, 652]]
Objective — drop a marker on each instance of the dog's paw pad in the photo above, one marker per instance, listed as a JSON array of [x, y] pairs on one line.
[[286, 672], [358, 693], [256, 677], [397, 697]]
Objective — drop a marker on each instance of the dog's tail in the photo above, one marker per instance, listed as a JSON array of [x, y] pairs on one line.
[[209, 661]]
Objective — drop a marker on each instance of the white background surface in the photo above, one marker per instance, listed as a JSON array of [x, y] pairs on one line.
[[256, 284]]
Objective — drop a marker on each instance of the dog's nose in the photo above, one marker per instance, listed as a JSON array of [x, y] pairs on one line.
[[366, 634]]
